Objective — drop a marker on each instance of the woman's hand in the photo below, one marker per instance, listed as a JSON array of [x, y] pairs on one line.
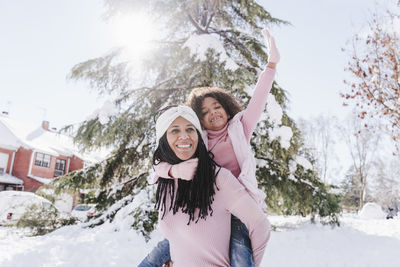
[[273, 53], [184, 170]]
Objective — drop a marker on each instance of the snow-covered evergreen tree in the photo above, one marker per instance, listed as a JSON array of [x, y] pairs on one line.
[[203, 43]]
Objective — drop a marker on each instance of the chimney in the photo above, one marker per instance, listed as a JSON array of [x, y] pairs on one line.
[[45, 125]]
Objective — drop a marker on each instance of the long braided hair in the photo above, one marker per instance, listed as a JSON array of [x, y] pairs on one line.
[[191, 195]]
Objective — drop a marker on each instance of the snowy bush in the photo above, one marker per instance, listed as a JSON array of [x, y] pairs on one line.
[[41, 220]]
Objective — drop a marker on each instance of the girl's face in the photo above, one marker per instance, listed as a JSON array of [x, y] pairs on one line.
[[214, 116], [182, 138]]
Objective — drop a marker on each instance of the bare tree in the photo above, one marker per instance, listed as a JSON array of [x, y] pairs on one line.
[[387, 183], [319, 138], [362, 144], [374, 67]]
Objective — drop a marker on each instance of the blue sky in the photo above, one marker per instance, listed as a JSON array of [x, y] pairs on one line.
[[42, 40]]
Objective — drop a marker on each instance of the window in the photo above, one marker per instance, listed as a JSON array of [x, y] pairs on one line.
[[42, 160], [60, 167], [3, 162]]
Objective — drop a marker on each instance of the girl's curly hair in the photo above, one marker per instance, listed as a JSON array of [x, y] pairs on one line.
[[228, 102]]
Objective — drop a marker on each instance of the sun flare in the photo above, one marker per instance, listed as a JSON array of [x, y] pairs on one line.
[[135, 32]]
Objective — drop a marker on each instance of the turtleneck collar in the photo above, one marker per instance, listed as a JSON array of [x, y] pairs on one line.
[[219, 133]]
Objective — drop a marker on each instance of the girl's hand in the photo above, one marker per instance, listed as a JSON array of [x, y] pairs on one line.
[[184, 170], [273, 53]]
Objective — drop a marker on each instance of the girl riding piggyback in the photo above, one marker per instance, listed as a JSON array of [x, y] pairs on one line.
[[227, 132]]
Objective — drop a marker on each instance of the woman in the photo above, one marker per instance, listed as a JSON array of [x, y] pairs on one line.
[[195, 215]]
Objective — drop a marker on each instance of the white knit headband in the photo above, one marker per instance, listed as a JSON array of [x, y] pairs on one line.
[[166, 118]]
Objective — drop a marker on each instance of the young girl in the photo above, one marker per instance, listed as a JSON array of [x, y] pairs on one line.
[[227, 132]]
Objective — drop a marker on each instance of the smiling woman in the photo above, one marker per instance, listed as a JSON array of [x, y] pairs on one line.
[[135, 32], [198, 211]]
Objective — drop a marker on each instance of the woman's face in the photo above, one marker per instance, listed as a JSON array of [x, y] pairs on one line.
[[182, 138], [214, 116]]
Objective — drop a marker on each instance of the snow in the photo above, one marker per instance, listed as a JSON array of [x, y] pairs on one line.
[[277, 131], [35, 137], [304, 163], [292, 177], [283, 134], [262, 163], [9, 179], [295, 242], [303, 244], [17, 202], [64, 202], [274, 110], [309, 183], [84, 191], [299, 160], [18, 198], [199, 44], [372, 211], [41, 179], [104, 113], [8, 140], [74, 246], [292, 166]]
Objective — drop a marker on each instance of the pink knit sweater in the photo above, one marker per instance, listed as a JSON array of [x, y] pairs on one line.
[[206, 243]]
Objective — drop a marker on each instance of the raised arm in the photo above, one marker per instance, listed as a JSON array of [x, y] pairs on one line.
[[240, 204], [257, 103]]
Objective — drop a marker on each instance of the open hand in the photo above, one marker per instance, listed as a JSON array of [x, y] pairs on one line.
[[273, 53]]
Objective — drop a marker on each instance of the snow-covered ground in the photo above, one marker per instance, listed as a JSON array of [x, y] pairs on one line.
[[295, 242]]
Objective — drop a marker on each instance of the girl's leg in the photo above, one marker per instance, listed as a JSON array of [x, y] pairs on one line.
[[158, 256], [240, 253]]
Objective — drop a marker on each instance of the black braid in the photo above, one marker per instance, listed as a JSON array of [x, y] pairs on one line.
[[197, 194]]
